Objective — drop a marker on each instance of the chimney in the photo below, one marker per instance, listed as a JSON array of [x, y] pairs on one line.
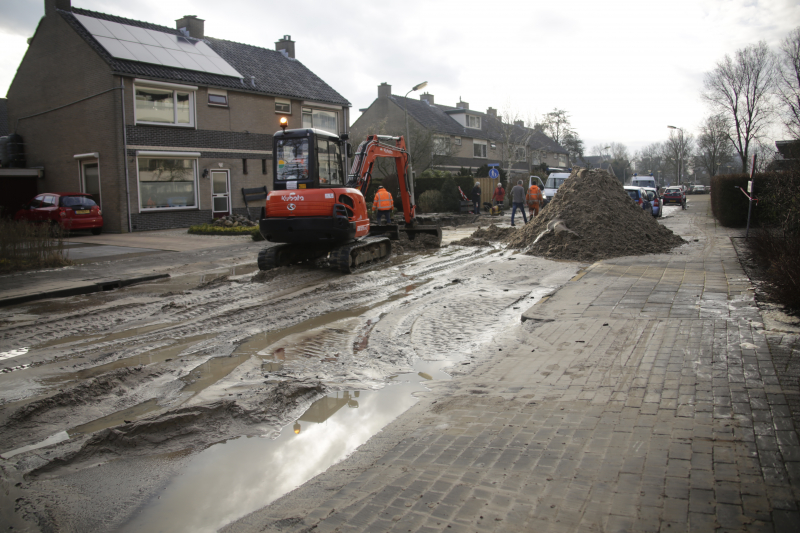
[[286, 45], [520, 123], [461, 104], [384, 90], [192, 25], [492, 112], [426, 97], [50, 6]]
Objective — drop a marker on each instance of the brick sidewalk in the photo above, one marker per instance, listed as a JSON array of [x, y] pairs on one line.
[[642, 396]]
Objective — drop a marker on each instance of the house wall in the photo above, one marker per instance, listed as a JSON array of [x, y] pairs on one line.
[[58, 68]]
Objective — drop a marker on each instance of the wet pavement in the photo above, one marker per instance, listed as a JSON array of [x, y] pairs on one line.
[[641, 396]]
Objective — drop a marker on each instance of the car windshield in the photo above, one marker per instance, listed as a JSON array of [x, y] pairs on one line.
[[554, 183], [292, 157], [633, 194], [76, 201]]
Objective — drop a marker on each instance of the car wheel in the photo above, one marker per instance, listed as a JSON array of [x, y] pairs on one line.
[[97, 231]]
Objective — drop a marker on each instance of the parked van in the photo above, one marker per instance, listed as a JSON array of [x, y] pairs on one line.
[[644, 181], [554, 181]]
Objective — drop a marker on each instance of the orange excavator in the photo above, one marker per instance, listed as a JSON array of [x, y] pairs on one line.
[[317, 212]]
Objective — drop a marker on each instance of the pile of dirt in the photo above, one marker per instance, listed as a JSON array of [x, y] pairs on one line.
[[593, 218], [486, 236], [420, 243]]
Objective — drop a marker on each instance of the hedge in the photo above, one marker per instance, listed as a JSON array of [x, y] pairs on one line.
[[729, 205], [424, 184]]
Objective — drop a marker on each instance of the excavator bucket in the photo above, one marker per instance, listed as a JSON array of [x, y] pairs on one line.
[[431, 234]]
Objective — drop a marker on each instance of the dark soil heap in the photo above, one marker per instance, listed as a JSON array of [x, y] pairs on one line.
[[484, 237], [593, 218]]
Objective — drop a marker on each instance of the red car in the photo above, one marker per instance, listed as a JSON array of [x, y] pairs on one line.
[[675, 195], [70, 210]]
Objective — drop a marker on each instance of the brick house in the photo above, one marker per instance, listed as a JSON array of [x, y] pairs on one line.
[[462, 137], [164, 126]]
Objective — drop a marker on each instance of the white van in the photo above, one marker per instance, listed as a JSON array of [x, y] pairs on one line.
[[644, 181], [554, 181]]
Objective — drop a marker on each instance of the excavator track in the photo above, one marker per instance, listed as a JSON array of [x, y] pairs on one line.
[[359, 254], [287, 254]]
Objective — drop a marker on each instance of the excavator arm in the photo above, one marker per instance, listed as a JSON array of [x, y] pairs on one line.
[[378, 146]]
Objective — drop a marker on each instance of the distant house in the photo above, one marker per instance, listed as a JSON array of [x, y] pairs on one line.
[[788, 155], [460, 137], [163, 126]]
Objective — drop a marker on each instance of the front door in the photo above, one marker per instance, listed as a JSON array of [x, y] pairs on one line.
[[90, 181], [220, 193]]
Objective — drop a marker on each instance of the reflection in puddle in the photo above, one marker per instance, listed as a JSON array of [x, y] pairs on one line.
[[13, 353], [232, 479]]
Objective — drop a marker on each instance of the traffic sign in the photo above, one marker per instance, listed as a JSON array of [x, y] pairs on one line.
[[494, 173]]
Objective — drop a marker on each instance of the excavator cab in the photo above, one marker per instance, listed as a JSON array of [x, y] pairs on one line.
[[307, 159]]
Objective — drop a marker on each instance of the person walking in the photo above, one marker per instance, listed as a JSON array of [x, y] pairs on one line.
[[499, 194], [383, 203], [476, 198], [518, 201], [534, 199]]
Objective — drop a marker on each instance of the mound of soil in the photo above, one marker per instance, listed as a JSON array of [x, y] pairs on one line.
[[420, 243], [593, 218], [485, 236]]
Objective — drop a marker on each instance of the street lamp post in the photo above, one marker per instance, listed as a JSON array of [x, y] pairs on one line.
[[409, 169], [680, 151]]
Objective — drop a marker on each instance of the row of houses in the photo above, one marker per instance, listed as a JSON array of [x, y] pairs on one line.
[[165, 126]]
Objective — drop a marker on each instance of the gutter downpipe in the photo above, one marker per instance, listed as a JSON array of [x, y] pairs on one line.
[[125, 152]]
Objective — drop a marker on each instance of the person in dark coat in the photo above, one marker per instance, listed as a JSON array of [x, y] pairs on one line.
[[476, 197]]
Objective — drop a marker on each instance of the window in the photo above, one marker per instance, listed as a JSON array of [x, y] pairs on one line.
[[322, 120], [493, 146], [164, 105], [329, 162], [283, 106], [520, 153], [457, 141], [167, 183], [562, 160], [441, 145], [217, 97], [473, 122], [479, 149], [292, 159]]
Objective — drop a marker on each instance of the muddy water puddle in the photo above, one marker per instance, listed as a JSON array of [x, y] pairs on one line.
[[234, 478], [153, 356], [131, 414]]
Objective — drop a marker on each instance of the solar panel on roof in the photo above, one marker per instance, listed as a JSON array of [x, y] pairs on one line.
[[149, 46]]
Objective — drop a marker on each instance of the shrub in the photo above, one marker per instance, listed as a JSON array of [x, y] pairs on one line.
[[729, 205], [430, 201], [210, 229], [25, 246], [776, 253], [450, 198]]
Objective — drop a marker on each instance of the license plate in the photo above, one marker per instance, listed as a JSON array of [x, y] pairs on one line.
[[82, 212]]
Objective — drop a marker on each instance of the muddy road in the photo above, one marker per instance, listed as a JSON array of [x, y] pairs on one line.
[[198, 399]]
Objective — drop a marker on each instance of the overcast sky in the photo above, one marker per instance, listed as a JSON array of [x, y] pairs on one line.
[[623, 69]]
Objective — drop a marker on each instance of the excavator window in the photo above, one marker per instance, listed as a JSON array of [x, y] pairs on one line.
[[329, 162], [292, 155]]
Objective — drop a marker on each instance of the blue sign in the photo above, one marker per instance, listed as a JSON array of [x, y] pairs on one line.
[[494, 173]]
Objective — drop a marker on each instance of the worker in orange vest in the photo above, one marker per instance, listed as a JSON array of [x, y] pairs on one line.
[[383, 203], [534, 198]]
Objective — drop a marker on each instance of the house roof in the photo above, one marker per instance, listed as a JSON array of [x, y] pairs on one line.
[[274, 73], [437, 117], [4, 126]]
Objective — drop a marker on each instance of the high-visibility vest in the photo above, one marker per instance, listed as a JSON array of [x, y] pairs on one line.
[[534, 194], [383, 201]]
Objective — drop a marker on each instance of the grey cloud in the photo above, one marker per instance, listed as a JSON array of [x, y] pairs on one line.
[[20, 17]]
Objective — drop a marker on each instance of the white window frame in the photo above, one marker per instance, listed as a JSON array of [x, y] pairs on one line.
[[305, 109], [169, 155], [493, 146], [218, 92], [287, 102], [524, 156], [441, 145], [191, 89], [477, 118], [479, 143], [457, 141]]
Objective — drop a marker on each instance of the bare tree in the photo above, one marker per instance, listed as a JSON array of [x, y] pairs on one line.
[[574, 145], [740, 88], [714, 147], [515, 131], [650, 160], [678, 152], [789, 81], [601, 150], [556, 125], [766, 154]]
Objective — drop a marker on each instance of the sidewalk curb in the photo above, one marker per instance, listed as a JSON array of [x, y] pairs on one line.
[[98, 286]]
